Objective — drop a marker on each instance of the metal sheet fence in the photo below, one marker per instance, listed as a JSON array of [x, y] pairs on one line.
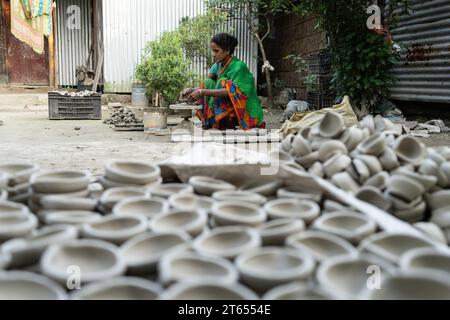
[[129, 25]]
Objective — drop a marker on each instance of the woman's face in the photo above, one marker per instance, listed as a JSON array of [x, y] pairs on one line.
[[218, 53]]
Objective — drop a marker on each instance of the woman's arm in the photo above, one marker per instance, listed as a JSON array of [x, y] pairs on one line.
[[197, 94], [215, 93]]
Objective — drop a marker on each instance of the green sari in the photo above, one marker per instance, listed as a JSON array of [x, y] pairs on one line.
[[241, 108]]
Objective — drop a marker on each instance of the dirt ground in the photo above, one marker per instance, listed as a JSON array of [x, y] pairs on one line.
[[27, 134]]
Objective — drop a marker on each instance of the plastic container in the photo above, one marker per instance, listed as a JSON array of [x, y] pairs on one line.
[[138, 96], [74, 108]]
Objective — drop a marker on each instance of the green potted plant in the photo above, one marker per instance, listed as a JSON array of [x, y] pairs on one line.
[[165, 72]]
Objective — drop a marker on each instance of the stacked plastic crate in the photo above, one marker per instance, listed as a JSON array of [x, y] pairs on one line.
[[319, 90]]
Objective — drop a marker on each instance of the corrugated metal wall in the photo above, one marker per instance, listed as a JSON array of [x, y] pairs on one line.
[[72, 44], [424, 73], [128, 25]]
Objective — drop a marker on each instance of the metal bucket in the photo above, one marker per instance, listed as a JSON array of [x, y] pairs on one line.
[[155, 119], [138, 97]]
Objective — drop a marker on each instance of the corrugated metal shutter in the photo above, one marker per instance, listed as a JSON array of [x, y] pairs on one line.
[[128, 25], [424, 72], [72, 44]]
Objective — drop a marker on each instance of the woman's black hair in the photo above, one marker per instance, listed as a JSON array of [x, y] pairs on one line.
[[226, 41]]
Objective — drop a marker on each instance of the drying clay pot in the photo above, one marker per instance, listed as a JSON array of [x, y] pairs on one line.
[[207, 186], [27, 251], [227, 242], [355, 136], [359, 171], [191, 222], [124, 288], [296, 291], [65, 203], [56, 182], [399, 204], [275, 233], [336, 164], [8, 208], [286, 144], [141, 206], [17, 285], [109, 184], [389, 160], [445, 169], [333, 206], [375, 197], [208, 290], [142, 253], [404, 188], [97, 261], [18, 173], [3, 195], [391, 246], [264, 188], [369, 123], [132, 172], [417, 286], [169, 189], [308, 160], [378, 181], [347, 276], [317, 169], [4, 178], [113, 196], [412, 215], [432, 230], [427, 260], [300, 146], [16, 225], [321, 245], [345, 181], [441, 217], [265, 268], [439, 200], [227, 213], [374, 145], [430, 168], [5, 260], [19, 189], [331, 148], [293, 209], [190, 266], [240, 196], [353, 227], [436, 157], [428, 182], [298, 193], [410, 150], [75, 218], [191, 202], [331, 126], [281, 157], [372, 163], [115, 229]]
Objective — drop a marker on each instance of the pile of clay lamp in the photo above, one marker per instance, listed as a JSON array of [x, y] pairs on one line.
[[122, 116], [154, 237]]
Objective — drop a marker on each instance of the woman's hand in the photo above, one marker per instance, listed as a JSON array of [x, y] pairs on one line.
[[195, 95], [187, 92]]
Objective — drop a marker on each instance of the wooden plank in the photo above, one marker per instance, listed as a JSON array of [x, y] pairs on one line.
[[3, 73]]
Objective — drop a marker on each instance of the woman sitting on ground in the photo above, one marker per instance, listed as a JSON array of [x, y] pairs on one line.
[[229, 96]]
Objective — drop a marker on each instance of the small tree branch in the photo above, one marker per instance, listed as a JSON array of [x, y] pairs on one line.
[[268, 28]]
